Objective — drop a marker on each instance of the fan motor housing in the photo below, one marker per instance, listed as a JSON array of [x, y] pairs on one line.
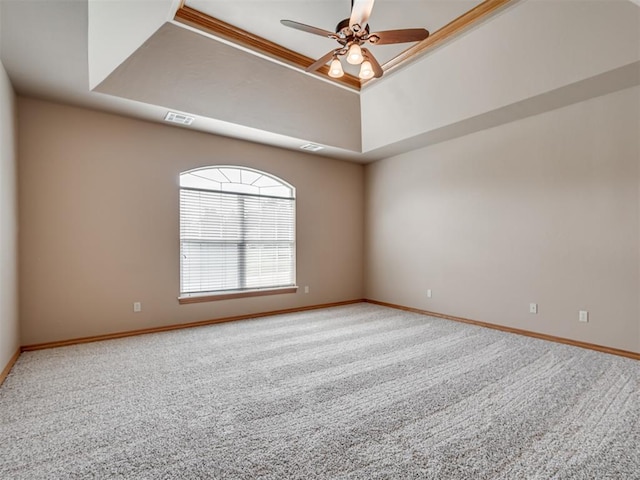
[[344, 30]]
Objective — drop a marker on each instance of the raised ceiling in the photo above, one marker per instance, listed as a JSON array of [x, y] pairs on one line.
[[258, 26], [262, 17], [133, 58]]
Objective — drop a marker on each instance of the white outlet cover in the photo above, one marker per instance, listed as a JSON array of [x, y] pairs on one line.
[[429, 293], [583, 316], [533, 308]]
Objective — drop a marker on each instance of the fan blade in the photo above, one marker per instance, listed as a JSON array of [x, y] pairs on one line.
[[308, 28], [360, 13], [399, 36], [321, 61], [377, 69]]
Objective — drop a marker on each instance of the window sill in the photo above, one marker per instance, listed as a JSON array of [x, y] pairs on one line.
[[212, 297]]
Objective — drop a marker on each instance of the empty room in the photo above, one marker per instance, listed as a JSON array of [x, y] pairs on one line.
[[324, 239]]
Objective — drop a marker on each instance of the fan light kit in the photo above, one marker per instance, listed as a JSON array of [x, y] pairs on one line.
[[354, 55], [335, 70], [352, 33]]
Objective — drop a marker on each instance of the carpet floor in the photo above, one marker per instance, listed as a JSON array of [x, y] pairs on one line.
[[353, 392]]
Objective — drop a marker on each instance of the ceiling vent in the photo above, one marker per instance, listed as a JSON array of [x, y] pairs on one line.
[[178, 118], [312, 147]]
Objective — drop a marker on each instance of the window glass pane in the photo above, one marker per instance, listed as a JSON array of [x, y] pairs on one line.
[[208, 267], [236, 180], [233, 174], [248, 176], [277, 191], [210, 215], [195, 181], [271, 264], [233, 236], [210, 173], [267, 182], [240, 188], [269, 219]]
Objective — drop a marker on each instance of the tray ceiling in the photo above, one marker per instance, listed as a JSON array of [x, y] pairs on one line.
[[500, 61], [256, 25]]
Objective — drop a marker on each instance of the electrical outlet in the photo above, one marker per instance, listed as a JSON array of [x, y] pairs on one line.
[[583, 316], [137, 307], [429, 293], [306, 289], [533, 308]]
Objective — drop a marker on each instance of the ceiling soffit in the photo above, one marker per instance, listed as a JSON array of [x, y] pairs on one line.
[[204, 22], [189, 73]]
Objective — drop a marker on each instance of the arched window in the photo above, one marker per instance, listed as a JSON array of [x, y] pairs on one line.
[[237, 233]]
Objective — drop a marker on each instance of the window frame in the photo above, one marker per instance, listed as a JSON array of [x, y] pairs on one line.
[[214, 295]]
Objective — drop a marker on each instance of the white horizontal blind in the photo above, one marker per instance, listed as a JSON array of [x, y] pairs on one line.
[[233, 241]]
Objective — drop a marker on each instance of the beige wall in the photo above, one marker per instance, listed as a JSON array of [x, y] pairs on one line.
[[545, 210], [480, 71], [99, 222], [9, 330]]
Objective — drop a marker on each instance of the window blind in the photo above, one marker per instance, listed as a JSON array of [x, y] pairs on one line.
[[232, 241]]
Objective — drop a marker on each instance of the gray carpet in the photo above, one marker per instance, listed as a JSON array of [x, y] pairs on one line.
[[354, 392]]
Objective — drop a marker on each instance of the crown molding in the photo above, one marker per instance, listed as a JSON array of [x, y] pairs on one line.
[[211, 25]]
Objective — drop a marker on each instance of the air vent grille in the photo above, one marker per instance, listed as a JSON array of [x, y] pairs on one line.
[[311, 147], [178, 118]]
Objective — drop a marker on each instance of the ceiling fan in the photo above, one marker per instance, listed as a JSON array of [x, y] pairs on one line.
[[352, 33]]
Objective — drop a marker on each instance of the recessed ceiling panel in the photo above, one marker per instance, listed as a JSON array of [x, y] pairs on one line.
[[262, 18]]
